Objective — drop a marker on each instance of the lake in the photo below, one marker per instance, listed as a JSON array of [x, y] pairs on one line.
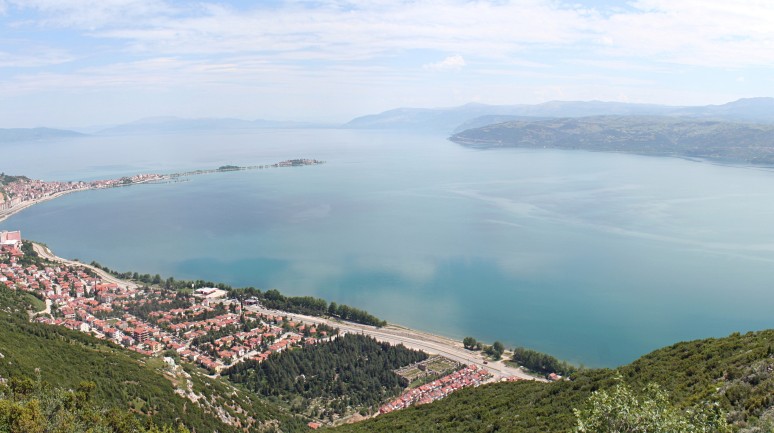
[[597, 258]]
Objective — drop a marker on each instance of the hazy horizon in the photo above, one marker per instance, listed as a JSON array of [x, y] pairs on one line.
[[303, 123], [75, 63]]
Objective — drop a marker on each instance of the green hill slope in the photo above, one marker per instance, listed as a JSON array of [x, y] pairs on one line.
[[737, 372], [126, 380]]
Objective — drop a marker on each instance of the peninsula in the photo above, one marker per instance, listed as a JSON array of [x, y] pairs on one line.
[[715, 140], [20, 192]]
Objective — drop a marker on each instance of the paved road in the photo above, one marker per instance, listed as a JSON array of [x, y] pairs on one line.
[[47, 254]]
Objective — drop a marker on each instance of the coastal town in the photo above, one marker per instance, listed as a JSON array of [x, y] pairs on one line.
[[24, 191], [200, 325], [19, 192]]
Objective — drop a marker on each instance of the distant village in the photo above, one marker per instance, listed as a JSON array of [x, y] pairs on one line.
[[28, 190], [22, 191], [201, 326]]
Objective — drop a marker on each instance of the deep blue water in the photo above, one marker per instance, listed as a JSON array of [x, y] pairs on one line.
[[597, 258]]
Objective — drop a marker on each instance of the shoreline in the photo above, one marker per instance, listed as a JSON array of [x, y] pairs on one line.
[[140, 179], [392, 333], [7, 213]]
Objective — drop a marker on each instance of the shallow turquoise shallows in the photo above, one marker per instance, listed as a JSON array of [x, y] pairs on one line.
[[596, 258]]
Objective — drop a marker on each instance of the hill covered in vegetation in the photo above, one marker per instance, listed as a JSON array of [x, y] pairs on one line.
[[643, 135], [735, 375], [147, 388], [450, 119], [730, 377], [349, 373]]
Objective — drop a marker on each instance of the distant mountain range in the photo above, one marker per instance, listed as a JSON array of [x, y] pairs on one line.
[[644, 135], [441, 120], [152, 125], [456, 119], [34, 134], [174, 124]]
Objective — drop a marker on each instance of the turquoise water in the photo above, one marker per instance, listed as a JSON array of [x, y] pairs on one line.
[[596, 258]]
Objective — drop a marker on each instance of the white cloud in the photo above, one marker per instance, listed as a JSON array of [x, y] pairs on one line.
[[524, 51], [94, 14], [693, 32], [729, 33], [337, 33], [455, 62], [710, 33], [33, 59]]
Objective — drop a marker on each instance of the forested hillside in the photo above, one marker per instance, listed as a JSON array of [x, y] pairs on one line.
[[736, 373], [642, 135], [126, 380], [331, 379]]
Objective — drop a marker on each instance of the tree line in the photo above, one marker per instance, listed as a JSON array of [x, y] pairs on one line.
[[270, 299], [308, 305], [541, 362], [495, 351]]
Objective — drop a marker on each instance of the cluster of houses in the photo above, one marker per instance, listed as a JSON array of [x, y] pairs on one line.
[[25, 190], [296, 162], [28, 190], [151, 320], [438, 389], [202, 327]]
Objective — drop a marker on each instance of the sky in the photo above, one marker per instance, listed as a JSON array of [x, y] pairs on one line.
[[68, 63]]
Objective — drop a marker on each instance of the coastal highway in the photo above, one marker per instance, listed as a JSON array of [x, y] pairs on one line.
[[47, 254], [433, 344]]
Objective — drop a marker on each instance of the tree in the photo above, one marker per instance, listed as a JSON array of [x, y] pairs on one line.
[[495, 350], [469, 343], [622, 410], [498, 349], [541, 362]]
